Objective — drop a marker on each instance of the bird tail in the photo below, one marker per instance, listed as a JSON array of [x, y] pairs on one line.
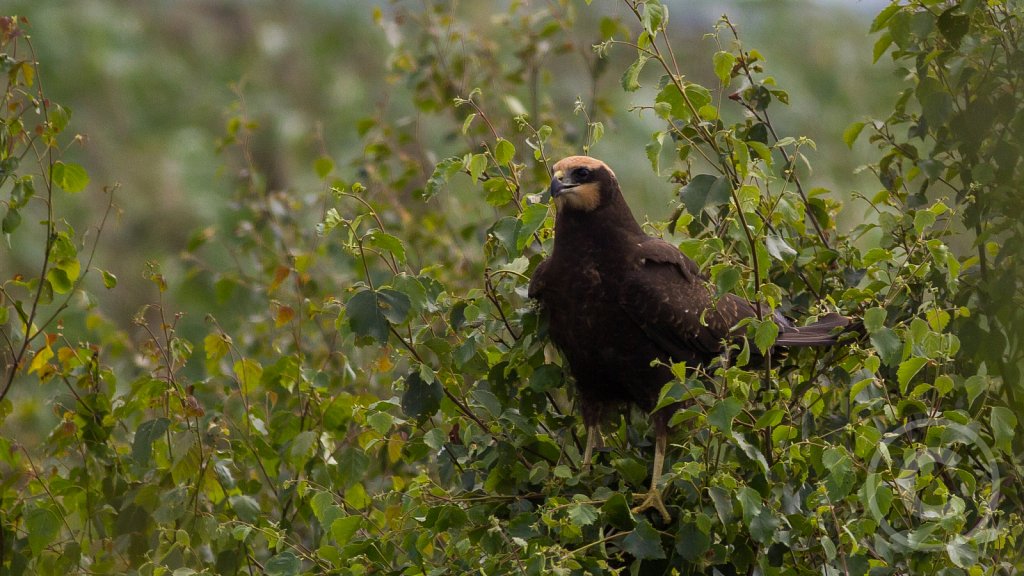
[[824, 332]]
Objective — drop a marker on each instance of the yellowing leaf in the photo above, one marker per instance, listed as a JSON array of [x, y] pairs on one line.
[[284, 315], [40, 360], [395, 444], [280, 274], [357, 497], [248, 372]]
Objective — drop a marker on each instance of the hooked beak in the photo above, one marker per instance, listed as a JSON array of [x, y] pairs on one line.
[[558, 187]]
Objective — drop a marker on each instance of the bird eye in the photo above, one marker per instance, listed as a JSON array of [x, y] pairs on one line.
[[581, 173]]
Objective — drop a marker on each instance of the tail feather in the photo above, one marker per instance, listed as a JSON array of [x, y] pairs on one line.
[[824, 332]]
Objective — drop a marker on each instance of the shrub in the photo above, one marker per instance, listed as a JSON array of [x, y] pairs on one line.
[[382, 396]]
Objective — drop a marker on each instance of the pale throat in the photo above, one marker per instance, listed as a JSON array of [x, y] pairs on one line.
[[584, 197]]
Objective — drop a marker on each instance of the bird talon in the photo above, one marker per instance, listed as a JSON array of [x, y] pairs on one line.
[[652, 500]]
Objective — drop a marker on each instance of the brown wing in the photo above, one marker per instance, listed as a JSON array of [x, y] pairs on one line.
[[674, 306], [657, 250], [538, 280]]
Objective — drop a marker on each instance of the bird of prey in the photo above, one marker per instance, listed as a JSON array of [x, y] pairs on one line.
[[618, 300]]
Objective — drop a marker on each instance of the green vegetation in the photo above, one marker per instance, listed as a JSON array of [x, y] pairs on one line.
[[340, 372]]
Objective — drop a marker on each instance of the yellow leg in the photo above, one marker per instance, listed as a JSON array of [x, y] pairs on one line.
[[653, 497]]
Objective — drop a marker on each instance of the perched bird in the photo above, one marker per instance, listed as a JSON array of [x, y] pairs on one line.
[[617, 299]]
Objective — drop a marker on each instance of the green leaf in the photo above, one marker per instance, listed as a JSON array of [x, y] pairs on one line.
[[883, 17], [365, 316], [694, 194], [764, 526], [943, 384], [750, 501], [888, 345], [907, 370], [343, 529], [476, 166], [531, 220], [147, 433], [630, 78], [421, 399], [655, 16], [69, 176], [954, 26], [499, 193], [923, 219], [881, 45], [697, 95], [284, 564], [59, 280], [444, 170], [323, 167], [467, 122], [876, 496], [1003, 422], [59, 116], [248, 371], [324, 508], [22, 191], [173, 504], [42, 525], [705, 190], [765, 334], [394, 305], [778, 247], [617, 513], [852, 132], [841, 477], [596, 132], [109, 280], [722, 501], [691, 541], [771, 417], [974, 386], [963, 552], [302, 448], [356, 496], [937, 319], [247, 508], [751, 451], [582, 514], [644, 542], [874, 319], [725, 280], [11, 221], [723, 62], [722, 413], [653, 149], [381, 422], [504, 152]]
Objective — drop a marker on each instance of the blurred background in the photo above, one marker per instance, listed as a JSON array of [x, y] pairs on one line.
[[152, 84]]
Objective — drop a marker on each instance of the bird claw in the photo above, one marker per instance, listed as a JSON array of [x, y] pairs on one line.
[[652, 500]]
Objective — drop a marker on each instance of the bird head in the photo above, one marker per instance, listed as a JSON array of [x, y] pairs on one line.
[[579, 182]]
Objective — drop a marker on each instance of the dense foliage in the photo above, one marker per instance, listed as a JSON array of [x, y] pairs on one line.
[[382, 397]]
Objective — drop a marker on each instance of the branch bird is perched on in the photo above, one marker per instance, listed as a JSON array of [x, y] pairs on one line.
[[617, 299]]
